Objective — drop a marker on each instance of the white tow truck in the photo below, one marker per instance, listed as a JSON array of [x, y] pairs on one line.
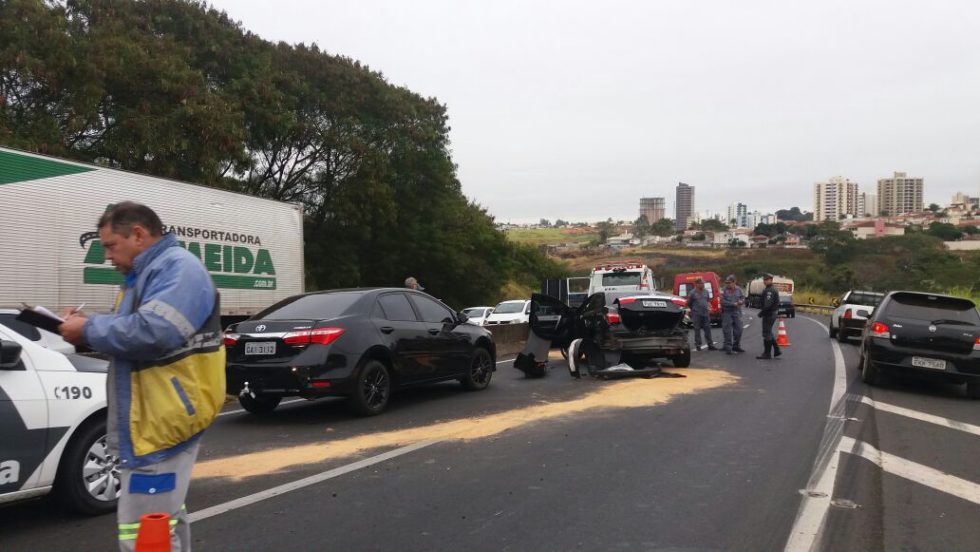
[[53, 426], [626, 275]]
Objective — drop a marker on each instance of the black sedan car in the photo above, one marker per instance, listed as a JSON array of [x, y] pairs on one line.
[[924, 335], [358, 343], [628, 327], [786, 307]]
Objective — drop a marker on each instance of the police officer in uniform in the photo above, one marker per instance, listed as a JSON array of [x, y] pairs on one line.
[[732, 299], [768, 312]]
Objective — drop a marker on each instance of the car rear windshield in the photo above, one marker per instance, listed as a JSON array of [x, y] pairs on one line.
[[317, 306], [685, 288], [932, 308], [477, 313], [509, 308], [865, 298], [621, 279]]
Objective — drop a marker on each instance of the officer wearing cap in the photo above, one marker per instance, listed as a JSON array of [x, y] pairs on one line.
[[768, 312], [732, 298]]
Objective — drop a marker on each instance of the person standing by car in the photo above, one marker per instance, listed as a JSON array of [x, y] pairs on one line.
[[698, 300], [768, 313], [732, 299], [412, 283], [166, 381]]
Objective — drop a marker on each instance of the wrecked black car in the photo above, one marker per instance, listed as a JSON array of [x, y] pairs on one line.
[[611, 333]]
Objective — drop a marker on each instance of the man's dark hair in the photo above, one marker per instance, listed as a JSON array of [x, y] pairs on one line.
[[122, 216]]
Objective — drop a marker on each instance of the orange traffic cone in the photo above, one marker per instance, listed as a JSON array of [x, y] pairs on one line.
[[782, 340], [154, 533]]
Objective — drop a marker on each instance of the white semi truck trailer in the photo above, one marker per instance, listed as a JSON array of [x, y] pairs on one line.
[[50, 252]]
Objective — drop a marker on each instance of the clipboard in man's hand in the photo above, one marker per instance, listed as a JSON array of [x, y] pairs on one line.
[[41, 318]]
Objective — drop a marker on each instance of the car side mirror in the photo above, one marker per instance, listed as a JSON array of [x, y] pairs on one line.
[[461, 317], [10, 356], [863, 312]]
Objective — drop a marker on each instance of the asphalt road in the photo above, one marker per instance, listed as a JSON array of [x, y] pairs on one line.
[[739, 455]]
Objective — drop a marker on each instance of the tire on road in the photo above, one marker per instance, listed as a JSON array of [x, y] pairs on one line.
[[833, 332], [259, 404], [973, 389], [682, 360], [372, 389], [841, 335], [479, 372], [87, 450], [870, 373]]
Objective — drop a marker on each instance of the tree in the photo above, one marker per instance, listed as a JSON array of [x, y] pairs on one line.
[[605, 229], [544, 222], [934, 207], [179, 90], [663, 227], [713, 225], [793, 214], [641, 227], [944, 231]]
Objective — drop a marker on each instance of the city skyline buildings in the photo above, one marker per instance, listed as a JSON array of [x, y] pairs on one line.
[[835, 199], [683, 205], [899, 194], [653, 208]]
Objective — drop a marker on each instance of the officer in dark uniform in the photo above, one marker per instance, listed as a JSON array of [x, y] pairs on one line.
[[768, 312]]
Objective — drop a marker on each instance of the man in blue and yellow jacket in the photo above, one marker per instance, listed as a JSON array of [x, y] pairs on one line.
[[166, 380]]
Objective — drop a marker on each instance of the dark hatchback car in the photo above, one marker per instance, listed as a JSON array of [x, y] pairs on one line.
[[358, 343], [925, 335], [624, 326], [786, 307]]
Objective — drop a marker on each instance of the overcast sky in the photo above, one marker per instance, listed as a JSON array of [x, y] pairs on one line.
[[574, 110]]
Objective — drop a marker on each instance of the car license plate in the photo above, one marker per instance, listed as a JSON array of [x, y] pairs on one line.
[[261, 348], [929, 363], [655, 304]]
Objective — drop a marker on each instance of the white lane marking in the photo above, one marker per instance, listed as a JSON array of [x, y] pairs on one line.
[[922, 416], [237, 503], [237, 410], [820, 487], [913, 471]]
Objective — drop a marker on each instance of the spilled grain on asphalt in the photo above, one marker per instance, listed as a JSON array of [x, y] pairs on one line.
[[632, 393]]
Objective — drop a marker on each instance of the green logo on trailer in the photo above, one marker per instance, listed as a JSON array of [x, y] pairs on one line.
[[231, 266]]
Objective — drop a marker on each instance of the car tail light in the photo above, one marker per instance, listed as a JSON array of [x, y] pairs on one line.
[[976, 344], [319, 384], [231, 339], [612, 317], [679, 302], [847, 314], [880, 330], [319, 336], [627, 300]]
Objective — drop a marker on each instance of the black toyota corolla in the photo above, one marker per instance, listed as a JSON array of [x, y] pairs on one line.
[[358, 343]]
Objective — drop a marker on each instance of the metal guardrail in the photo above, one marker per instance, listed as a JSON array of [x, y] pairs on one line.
[[816, 309]]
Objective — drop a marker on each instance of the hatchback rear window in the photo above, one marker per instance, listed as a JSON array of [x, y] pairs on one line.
[[621, 279], [932, 308], [317, 306], [686, 288], [865, 298]]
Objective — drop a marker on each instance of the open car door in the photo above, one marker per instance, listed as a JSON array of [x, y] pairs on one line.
[[551, 325]]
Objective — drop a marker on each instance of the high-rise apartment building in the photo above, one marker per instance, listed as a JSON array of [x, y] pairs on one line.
[[834, 199], [653, 208], [899, 194], [738, 212], [683, 206], [867, 205]]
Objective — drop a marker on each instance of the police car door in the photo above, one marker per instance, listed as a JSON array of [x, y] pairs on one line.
[[23, 417]]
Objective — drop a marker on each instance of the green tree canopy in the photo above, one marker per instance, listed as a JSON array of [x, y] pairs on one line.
[[176, 89]]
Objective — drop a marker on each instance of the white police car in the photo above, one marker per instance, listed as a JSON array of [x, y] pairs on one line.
[[53, 426]]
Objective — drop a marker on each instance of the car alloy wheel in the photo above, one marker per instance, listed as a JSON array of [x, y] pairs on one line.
[[480, 370], [375, 387], [101, 472]]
